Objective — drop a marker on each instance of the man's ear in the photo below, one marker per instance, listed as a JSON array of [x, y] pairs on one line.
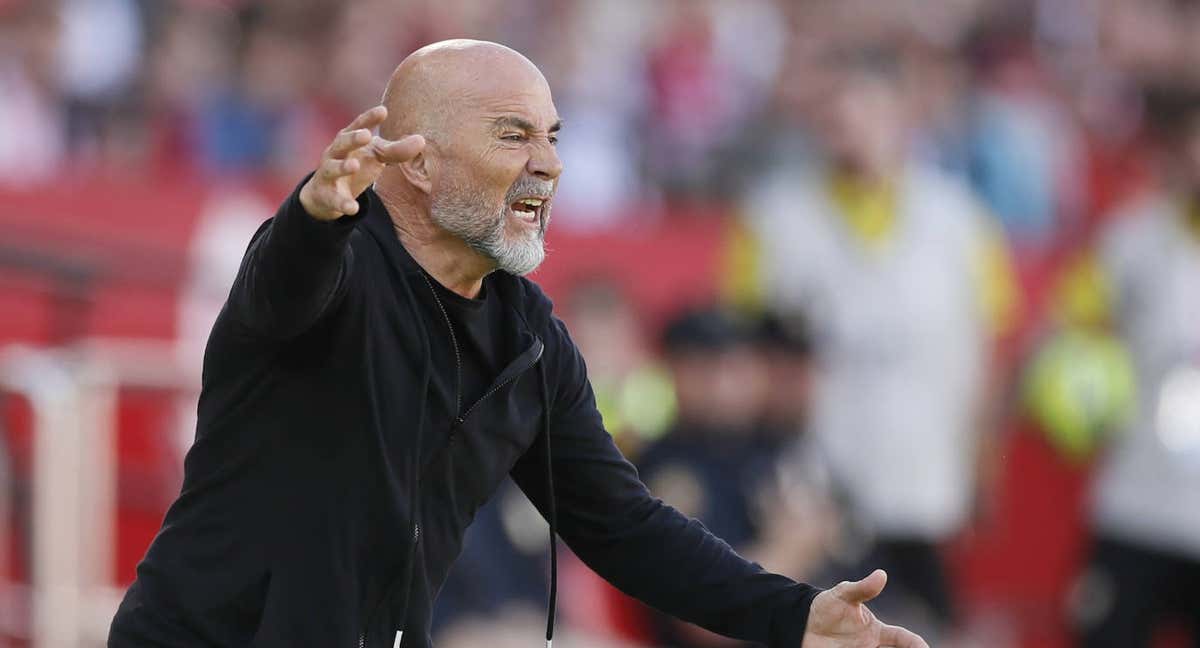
[[419, 171]]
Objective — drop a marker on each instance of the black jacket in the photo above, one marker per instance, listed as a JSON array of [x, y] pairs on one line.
[[320, 508]]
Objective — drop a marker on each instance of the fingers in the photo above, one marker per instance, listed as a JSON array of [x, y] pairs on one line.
[[863, 590], [387, 152], [369, 119], [401, 150], [346, 141], [331, 169], [897, 637], [349, 207], [345, 170], [329, 194], [358, 133]]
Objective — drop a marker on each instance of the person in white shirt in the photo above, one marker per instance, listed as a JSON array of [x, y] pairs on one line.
[[905, 280], [1145, 564]]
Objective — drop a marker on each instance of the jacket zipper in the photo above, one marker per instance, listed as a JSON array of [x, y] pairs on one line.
[[461, 417], [362, 635], [537, 355], [459, 420]]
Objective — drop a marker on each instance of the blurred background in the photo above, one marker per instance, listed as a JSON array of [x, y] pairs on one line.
[[909, 284]]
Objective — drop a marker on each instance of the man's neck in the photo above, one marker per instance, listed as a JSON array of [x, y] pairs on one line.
[[446, 257]]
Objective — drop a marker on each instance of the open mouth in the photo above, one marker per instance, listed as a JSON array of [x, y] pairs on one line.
[[529, 210]]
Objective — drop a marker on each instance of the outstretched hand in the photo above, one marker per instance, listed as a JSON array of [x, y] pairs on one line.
[[839, 618], [351, 162]]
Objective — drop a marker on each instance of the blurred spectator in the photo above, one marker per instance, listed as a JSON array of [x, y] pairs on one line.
[[633, 393], [801, 490], [1145, 566], [1024, 152], [601, 97], [662, 99], [705, 79], [905, 281], [718, 465], [32, 141], [246, 125], [99, 58], [188, 62], [720, 384], [786, 346], [687, 103]]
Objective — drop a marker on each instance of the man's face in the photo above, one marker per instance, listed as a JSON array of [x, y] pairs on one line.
[[719, 387], [498, 169], [861, 123]]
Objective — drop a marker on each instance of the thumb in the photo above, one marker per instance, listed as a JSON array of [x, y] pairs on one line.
[[863, 590]]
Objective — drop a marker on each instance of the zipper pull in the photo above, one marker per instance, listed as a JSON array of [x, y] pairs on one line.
[[399, 635]]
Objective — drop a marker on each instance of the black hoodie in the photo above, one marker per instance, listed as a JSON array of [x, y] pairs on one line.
[[321, 508]]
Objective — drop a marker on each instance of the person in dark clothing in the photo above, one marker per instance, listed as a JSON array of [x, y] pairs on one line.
[[714, 443], [381, 365], [720, 461], [785, 342]]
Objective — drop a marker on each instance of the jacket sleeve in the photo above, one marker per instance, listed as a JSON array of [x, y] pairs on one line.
[[639, 544], [296, 269]]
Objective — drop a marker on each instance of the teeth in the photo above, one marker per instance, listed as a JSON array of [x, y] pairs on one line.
[[533, 202]]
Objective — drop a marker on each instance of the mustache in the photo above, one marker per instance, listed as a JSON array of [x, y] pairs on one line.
[[530, 186]]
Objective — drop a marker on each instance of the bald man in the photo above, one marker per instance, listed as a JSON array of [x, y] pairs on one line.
[[382, 364]]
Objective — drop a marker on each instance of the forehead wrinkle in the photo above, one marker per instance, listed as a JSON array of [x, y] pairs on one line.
[[517, 119], [510, 121]]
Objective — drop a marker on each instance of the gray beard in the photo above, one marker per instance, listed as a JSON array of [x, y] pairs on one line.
[[459, 210]]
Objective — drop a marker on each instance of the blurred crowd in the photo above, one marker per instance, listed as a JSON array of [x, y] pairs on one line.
[[947, 214], [678, 100]]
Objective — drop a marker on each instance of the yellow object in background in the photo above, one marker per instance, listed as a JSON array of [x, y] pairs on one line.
[[1193, 218], [868, 208], [740, 280], [1080, 388], [637, 409], [871, 212], [996, 287], [1083, 295]]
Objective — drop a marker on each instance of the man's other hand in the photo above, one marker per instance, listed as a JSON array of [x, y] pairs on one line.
[[839, 618], [351, 162]]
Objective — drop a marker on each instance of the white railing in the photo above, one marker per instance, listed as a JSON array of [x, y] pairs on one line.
[[73, 395]]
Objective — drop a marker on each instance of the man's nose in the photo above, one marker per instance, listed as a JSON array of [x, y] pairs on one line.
[[544, 163]]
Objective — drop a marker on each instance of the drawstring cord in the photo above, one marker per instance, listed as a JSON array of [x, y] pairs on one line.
[[552, 604]]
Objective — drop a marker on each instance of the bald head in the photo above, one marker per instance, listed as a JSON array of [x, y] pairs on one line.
[[487, 175], [429, 89]]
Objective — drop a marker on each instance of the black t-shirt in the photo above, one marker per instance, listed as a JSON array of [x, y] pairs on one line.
[[481, 332]]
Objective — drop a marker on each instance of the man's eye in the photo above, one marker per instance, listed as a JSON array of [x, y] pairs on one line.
[[554, 139], [512, 138]]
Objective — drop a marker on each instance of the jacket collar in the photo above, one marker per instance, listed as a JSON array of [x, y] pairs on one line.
[[379, 224]]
